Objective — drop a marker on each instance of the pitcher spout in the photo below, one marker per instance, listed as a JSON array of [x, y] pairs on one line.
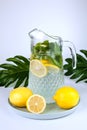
[[36, 34]]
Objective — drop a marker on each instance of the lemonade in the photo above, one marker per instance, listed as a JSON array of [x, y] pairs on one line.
[[46, 69]]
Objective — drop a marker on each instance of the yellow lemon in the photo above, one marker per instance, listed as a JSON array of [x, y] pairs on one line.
[[44, 61], [38, 68], [52, 66], [19, 96], [66, 97], [36, 104]]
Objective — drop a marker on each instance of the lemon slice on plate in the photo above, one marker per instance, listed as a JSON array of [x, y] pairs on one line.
[[36, 104], [38, 68]]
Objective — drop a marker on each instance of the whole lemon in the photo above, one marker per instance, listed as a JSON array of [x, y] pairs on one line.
[[19, 96], [66, 97]]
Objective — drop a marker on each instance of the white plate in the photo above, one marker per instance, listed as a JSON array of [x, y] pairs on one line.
[[52, 111]]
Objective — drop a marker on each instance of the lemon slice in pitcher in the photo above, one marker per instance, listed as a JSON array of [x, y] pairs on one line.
[[38, 68], [52, 66]]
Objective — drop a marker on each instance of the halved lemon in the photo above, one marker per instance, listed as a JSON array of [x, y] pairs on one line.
[[36, 104], [38, 68]]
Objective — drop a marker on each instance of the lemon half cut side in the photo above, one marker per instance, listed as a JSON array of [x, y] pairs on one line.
[[19, 96], [36, 104]]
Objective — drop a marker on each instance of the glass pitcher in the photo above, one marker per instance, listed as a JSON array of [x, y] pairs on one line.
[[46, 73]]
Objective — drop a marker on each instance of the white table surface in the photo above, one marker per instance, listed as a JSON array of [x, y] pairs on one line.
[[75, 121]]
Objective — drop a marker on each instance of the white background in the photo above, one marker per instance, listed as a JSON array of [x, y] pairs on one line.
[[65, 18]]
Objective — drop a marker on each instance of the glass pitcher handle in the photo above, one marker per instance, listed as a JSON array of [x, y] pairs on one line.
[[73, 52]]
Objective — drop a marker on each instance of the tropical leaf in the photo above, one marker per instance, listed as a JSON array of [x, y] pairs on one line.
[[16, 72], [80, 73]]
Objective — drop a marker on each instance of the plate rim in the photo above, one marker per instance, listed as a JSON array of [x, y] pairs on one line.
[[43, 116]]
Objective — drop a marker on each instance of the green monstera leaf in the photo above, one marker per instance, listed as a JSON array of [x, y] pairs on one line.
[[16, 72], [80, 73]]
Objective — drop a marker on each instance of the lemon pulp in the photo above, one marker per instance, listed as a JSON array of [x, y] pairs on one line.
[[38, 68]]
